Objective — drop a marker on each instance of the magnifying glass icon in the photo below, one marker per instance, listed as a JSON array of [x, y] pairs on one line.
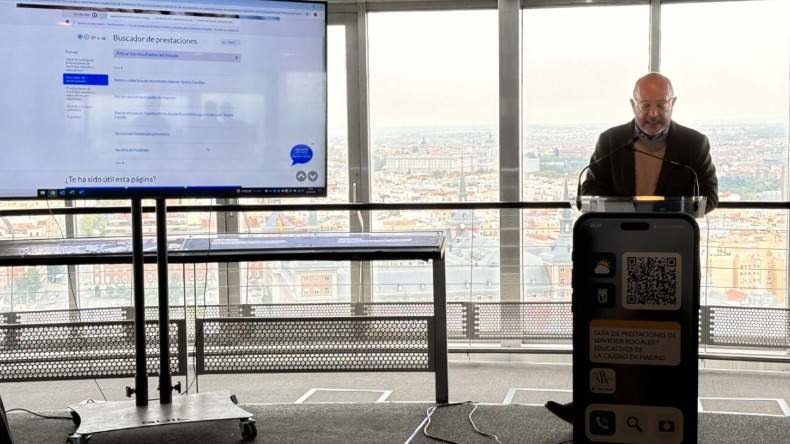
[[633, 422]]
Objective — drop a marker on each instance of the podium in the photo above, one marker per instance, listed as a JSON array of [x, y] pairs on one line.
[[636, 279], [694, 206]]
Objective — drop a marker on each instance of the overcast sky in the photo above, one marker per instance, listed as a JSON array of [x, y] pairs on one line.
[[728, 61]]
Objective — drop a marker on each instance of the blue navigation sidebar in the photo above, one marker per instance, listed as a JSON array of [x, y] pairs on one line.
[[86, 79]]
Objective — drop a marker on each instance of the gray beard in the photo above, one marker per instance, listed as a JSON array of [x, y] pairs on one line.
[[651, 142]]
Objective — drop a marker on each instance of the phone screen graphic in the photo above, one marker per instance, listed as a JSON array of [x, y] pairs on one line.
[[635, 328]]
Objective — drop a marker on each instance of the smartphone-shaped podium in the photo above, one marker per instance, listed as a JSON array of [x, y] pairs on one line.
[[636, 280]]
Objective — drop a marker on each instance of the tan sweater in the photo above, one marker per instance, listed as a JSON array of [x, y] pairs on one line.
[[647, 169]]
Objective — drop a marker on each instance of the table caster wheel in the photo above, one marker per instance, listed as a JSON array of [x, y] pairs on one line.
[[248, 429]]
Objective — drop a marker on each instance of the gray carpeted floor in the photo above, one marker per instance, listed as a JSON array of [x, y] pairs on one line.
[[479, 381], [387, 423]]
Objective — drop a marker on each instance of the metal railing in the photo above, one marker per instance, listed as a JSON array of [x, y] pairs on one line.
[[80, 350], [726, 326]]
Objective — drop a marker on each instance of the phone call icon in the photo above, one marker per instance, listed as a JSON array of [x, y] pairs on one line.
[[602, 422]]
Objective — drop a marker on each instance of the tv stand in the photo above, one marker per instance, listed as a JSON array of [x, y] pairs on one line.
[[102, 417], [99, 417]]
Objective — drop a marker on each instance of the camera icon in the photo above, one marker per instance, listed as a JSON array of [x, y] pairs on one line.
[[666, 426]]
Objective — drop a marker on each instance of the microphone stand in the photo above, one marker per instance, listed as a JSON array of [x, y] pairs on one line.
[[602, 158], [696, 190]]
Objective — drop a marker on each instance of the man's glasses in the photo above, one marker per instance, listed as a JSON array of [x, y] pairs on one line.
[[644, 106]]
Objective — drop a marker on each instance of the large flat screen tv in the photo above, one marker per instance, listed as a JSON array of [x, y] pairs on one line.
[[139, 98]]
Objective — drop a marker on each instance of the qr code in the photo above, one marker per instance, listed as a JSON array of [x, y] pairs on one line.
[[652, 281]]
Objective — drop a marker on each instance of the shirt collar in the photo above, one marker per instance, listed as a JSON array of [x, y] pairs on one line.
[[653, 141]]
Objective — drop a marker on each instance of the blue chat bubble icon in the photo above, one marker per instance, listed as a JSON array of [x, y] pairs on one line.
[[301, 154]]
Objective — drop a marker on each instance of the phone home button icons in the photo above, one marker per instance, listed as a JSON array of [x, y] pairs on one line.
[[602, 423], [666, 426]]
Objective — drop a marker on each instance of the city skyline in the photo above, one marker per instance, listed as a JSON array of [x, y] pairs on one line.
[[744, 251]]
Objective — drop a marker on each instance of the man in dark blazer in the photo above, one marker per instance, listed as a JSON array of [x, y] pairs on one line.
[[628, 165], [627, 160]]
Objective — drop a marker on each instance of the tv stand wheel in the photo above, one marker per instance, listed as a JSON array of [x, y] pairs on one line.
[[248, 429], [76, 438]]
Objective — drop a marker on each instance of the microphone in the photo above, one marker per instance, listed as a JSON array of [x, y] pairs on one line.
[[604, 157], [696, 190]]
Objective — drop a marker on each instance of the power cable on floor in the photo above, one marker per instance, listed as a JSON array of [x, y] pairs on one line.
[[100, 390], [430, 413], [479, 432], [19, 409], [186, 392], [433, 409], [194, 300]]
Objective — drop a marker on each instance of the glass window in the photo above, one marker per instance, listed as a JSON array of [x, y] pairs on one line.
[[277, 282], [31, 288], [578, 74], [434, 106], [579, 71], [434, 113], [730, 66]]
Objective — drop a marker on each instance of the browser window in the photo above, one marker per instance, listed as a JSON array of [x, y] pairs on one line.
[[205, 96]]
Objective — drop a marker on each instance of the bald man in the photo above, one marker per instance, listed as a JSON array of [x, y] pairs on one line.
[[629, 172]]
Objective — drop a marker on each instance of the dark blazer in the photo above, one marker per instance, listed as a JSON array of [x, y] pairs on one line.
[[614, 176]]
